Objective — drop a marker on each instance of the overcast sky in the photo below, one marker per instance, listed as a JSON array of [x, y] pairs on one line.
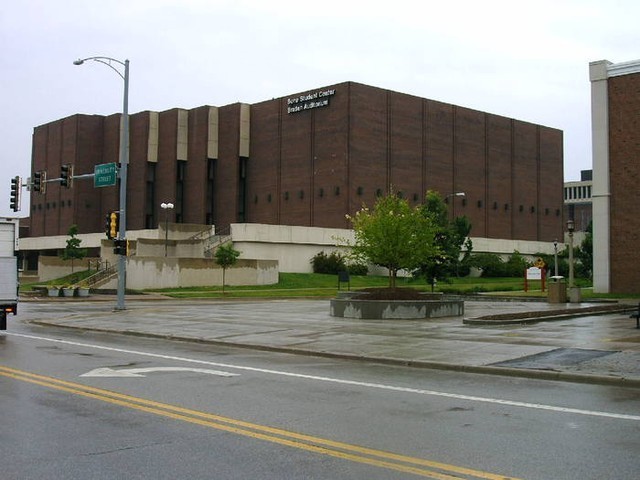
[[521, 59]]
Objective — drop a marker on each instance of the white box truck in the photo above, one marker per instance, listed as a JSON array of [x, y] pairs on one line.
[[8, 269]]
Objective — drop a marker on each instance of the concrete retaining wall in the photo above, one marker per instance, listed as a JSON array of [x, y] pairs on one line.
[[50, 268], [161, 272], [294, 247]]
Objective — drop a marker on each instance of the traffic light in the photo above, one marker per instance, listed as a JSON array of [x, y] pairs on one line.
[[39, 183], [121, 246], [66, 175], [112, 225], [16, 186]]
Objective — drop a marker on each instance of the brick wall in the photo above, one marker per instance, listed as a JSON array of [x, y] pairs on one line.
[[311, 167], [624, 168]]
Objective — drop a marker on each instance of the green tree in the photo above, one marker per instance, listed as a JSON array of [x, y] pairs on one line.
[[393, 235], [459, 231], [450, 238], [226, 256], [584, 253], [73, 251]]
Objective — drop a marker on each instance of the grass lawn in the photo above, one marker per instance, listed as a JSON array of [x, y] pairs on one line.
[[324, 285], [316, 285], [72, 279]]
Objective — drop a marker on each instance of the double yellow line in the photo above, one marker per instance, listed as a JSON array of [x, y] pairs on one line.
[[354, 453]]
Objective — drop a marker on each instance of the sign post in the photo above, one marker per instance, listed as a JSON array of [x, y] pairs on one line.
[[534, 273]]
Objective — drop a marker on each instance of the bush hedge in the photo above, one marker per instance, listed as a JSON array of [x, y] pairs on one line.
[[335, 262]]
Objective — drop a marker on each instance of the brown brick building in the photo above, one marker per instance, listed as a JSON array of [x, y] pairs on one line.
[[615, 104], [306, 159]]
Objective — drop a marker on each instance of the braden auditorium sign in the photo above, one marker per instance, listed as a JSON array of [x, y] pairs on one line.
[[310, 100]]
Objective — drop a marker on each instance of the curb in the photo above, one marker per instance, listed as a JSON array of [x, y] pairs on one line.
[[553, 375], [526, 317]]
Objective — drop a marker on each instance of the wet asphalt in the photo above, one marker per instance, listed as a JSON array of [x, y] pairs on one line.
[[536, 339]]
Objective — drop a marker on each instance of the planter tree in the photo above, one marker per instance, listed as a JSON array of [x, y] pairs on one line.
[[73, 251], [226, 256], [393, 235]]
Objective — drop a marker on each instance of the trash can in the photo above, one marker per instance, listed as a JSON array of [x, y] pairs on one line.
[[557, 290]]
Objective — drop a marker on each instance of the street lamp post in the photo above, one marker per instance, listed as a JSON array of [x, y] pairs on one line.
[[166, 207], [555, 257], [574, 292], [124, 162], [570, 229]]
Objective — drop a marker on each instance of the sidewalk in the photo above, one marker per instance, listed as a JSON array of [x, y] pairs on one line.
[[592, 348]]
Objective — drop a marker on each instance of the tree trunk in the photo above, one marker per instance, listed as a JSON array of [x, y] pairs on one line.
[[223, 272], [392, 277]]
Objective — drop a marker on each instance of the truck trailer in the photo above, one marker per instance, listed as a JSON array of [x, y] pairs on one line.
[[8, 269]]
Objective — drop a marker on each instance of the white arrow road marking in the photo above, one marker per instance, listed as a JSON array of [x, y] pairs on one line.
[[472, 398], [138, 372]]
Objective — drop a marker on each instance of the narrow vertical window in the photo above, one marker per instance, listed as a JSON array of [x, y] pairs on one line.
[[179, 204], [242, 190], [211, 205], [150, 197]]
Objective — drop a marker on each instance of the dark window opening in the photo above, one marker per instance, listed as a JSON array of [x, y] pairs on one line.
[[242, 190], [179, 203], [150, 197], [211, 204]]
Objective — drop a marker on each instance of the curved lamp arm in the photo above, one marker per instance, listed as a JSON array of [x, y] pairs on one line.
[[106, 61]]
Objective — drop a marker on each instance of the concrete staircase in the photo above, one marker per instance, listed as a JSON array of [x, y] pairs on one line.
[[101, 277]]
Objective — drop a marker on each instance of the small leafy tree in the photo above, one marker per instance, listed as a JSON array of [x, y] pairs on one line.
[[393, 235], [226, 256], [73, 251]]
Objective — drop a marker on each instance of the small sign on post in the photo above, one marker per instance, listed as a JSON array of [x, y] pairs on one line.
[[534, 273], [105, 175]]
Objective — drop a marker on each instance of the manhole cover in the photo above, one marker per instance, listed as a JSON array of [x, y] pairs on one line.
[[560, 357]]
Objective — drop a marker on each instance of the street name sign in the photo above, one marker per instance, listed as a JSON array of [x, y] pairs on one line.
[[105, 175]]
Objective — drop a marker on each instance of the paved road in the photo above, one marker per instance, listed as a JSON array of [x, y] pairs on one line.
[[81, 404], [592, 348]]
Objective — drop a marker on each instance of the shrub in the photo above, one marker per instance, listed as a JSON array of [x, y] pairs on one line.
[[490, 264], [332, 263], [493, 266], [358, 269], [516, 265]]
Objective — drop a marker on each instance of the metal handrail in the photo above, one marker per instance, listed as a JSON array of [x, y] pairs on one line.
[[100, 275]]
